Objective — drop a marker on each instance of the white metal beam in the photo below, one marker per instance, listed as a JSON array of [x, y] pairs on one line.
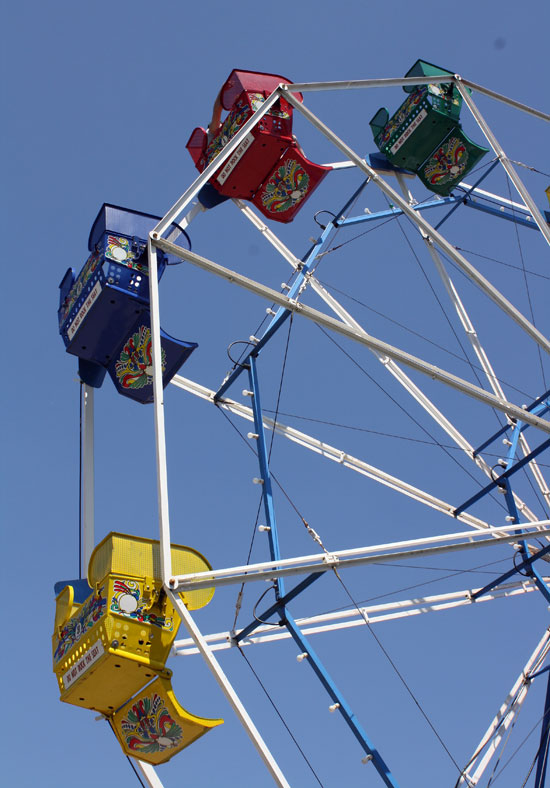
[[436, 373], [357, 556], [148, 773], [331, 453], [87, 480], [506, 163]]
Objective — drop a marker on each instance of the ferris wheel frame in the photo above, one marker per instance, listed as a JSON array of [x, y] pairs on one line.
[[520, 417]]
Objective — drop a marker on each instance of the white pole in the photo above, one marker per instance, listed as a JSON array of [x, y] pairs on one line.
[[87, 480], [148, 773]]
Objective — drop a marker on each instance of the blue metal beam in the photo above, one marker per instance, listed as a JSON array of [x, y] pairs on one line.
[[523, 565], [280, 606], [470, 190], [530, 409], [276, 606], [499, 482], [390, 212], [343, 707]]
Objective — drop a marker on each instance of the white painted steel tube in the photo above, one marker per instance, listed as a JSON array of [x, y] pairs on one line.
[[158, 405], [177, 209], [321, 562], [359, 336], [228, 691], [87, 481], [148, 773], [512, 174], [330, 452], [496, 730]]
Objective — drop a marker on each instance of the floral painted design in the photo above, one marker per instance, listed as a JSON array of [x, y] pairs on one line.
[[127, 601], [148, 727], [78, 625], [286, 187], [90, 266], [402, 114], [134, 368], [447, 163], [233, 122]]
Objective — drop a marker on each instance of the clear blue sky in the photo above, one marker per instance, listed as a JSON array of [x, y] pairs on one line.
[[101, 99]]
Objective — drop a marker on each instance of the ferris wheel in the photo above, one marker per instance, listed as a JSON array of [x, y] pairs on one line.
[[122, 621]]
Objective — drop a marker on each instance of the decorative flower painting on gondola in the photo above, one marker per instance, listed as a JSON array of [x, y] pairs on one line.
[[134, 368], [148, 727], [286, 187]]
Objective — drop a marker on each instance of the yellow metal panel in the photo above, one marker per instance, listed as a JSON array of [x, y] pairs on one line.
[[548, 193], [64, 606], [154, 727], [137, 557]]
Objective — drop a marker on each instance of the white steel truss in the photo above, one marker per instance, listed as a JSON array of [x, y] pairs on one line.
[[504, 717], [358, 617]]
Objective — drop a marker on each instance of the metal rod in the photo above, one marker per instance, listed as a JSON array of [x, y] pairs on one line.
[[148, 773], [504, 99], [177, 209], [359, 336], [513, 469], [354, 84], [322, 562], [276, 607], [87, 512], [158, 405], [342, 705], [227, 689], [525, 563], [512, 174], [419, 220]]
